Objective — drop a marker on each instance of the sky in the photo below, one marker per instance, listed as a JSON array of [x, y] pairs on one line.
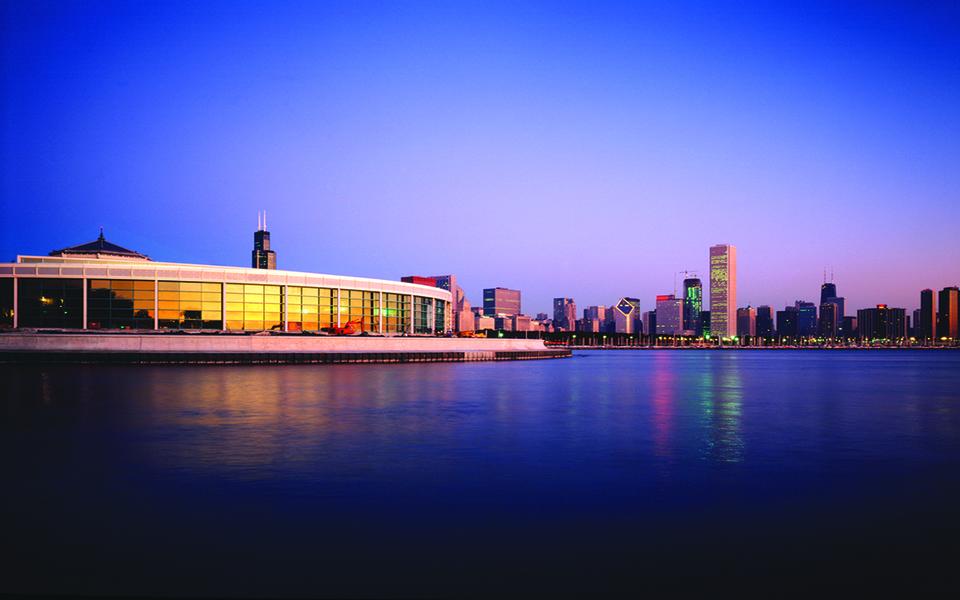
[[588, 150]]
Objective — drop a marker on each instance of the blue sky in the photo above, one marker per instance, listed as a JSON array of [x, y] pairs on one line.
[[567, 149]]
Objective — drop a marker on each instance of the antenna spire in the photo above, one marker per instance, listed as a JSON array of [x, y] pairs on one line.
[[264, 219]]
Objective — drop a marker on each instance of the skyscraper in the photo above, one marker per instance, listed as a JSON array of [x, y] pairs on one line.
[[830, 323], [927, 324], [263, 256], [806, 318], [947, 317], [764, 321], [669, 315], [723, 290], [626, 316], [882, 323], [747, 322], [692, 305], [565, 314], [500, 301], [595, 318], [462, 319], [827, 326], [827, 290], [787, 322]]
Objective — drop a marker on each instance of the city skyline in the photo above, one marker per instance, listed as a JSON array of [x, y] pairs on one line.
[[589, 151]]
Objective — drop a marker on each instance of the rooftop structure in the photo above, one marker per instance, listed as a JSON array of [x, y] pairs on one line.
[[99, 248]]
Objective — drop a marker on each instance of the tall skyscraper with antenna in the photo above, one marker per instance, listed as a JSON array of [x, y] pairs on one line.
[[263, 256]]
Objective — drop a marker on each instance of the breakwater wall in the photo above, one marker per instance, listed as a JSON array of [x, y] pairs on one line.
[[24, 347]]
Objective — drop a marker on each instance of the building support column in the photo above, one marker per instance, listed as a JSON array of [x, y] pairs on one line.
[[83, 281], [338, 307], [223, 306], [381, 313], [432, 315], [286, 303], [156, 304], [16, 311], [413, 315]]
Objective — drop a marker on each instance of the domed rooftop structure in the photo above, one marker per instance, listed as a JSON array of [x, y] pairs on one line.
[[99, 248]]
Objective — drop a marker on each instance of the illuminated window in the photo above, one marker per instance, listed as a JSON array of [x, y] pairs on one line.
[[396, 313], [253, 307], [440, 321], [120, 304], [189, 305], [310, 309], [361, 308], [422, 307]]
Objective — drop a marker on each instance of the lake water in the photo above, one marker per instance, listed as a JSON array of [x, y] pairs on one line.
[[609, 470]]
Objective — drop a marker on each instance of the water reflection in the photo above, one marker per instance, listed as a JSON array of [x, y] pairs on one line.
[[663, 384], [720, 398]]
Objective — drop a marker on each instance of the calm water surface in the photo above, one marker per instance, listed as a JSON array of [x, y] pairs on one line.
[[604, 471]]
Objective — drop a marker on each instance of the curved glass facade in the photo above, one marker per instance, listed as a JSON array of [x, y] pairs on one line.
[[60, 293]]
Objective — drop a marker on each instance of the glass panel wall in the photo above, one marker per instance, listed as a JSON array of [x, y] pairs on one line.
[[119, 304], [253, 307], [6, 303], [422, 308], [363, 308], [396, 313], [440, 322], [311, 309], [189, 305], [50, 303]]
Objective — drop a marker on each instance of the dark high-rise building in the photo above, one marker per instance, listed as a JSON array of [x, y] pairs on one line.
[[849, 327], [595, 319], [565, 314], [500, 301], [705, 323], [263, 256], [787, 322], [747, 322], [669, 315], [692, 305], [828, 325], [806, 318], [827, 290], [926, 325], [764, 321], [947, 316], [882, 323]]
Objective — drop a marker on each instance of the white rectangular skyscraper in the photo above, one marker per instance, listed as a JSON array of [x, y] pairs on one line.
[[723, 290]]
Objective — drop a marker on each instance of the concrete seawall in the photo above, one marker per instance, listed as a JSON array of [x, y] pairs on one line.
[[23, 347]]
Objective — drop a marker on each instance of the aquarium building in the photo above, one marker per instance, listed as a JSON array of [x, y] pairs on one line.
[[103, 286]]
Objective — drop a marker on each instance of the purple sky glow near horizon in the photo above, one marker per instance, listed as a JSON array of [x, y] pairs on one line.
[[587, 150]]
